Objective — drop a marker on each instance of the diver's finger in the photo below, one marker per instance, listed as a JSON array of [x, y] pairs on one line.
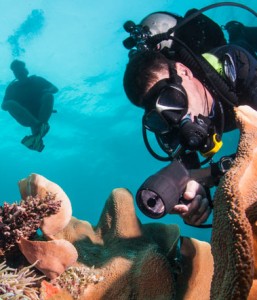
[[198, 220], [193, 188], [179, 209]]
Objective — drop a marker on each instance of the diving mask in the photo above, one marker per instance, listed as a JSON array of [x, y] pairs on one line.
[[165, 105]]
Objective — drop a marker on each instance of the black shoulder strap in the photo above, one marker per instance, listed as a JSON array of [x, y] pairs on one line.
[[207, 74]]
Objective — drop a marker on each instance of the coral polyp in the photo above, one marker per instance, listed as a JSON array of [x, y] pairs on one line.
[[18, 284], [76, 279]]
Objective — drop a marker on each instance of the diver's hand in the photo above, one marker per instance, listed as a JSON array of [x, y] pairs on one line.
[[195, 208]]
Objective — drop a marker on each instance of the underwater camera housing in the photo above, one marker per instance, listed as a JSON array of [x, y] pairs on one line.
[[157, 196]]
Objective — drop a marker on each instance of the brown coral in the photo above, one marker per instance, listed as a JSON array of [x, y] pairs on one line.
[[37, 185], [53, 257], [23, 220], [235, 216], [137, 261], [19, 223], [197, 264]]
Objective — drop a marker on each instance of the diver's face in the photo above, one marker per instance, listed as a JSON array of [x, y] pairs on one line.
[[169, 105], [199, 99]]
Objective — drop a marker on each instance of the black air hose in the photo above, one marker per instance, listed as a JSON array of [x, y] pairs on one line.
[[212, 79]]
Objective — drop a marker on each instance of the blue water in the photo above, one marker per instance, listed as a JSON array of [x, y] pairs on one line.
[[95, 142]]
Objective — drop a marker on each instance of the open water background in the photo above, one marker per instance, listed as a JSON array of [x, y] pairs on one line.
[[95, 142]]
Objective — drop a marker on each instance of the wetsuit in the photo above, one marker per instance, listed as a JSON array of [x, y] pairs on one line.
[[28, 92], [240, 72]]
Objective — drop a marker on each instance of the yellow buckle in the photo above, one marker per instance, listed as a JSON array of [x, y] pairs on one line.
[[217, 144]]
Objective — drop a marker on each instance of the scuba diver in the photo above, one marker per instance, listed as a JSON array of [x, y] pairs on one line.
[[29, 100], [188, 82]]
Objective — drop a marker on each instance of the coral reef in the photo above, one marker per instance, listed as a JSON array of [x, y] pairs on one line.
[[141, 261], [53, 256], [48, 291], [23, 220], [19, 223], [197, 268], [17, 285], [37, 185], [121, 258], [234, 239], [76, 279], [138, 261]]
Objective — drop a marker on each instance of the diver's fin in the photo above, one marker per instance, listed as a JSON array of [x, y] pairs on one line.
[[33, 142], [38, 145], [28, 141], [41, 130], [44, 128]]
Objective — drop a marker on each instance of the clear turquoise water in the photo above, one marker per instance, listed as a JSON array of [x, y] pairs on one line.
[[95, 142]]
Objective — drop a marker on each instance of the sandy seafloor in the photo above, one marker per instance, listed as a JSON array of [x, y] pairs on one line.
[[95, 142]]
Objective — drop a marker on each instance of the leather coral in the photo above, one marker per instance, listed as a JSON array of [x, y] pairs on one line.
[[234, 239]]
